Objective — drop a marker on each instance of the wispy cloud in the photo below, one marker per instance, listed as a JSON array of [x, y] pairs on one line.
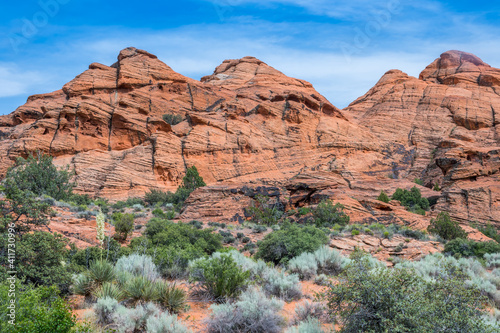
[[14, 81]]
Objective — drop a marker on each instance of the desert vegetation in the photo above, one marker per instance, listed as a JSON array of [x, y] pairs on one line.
[[146, 279]]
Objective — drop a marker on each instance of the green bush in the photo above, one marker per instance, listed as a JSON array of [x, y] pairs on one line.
[[370, 300], [173, 245], [282, 245], [446, 228], [383, 197], [418, 181], [172, 119], [40, 259], [219, 276], [111, 251], [37, 310], [124, 224], [490, 231], [264, 211], [39, 176], [412, 200], [326, 214], [468, 248], [154, 197]]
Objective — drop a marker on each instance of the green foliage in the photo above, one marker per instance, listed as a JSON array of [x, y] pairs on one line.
[[40, 259], [219, 276], [111, 251], [468, 248], [100, 272], [128, 203], [304, 210], [173, 245], [446, 228], [490, 231], [124, 224], [154, 197], [292, 240], [418, 181], [140, 289], [383, 197], [436, 187], [326, 214], [171, 298], [37, 310], [371, 300], [265, 211], [109, 290], [412, 200], [39, 176], [172, 119], [191, 181]]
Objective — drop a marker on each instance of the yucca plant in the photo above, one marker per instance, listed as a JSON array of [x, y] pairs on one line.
[[82, 285], [109, 290], [122, 278], [101, 271], [170, 297], [140, 289]]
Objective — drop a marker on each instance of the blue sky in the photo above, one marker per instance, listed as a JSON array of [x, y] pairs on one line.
[[341, 47]]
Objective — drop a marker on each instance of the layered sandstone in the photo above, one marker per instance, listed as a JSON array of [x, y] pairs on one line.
[[248, 126]]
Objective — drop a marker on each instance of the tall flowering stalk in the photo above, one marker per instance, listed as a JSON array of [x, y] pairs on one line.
[[100, 228]]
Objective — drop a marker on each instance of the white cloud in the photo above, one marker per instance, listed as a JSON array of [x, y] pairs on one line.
[[14, 81]]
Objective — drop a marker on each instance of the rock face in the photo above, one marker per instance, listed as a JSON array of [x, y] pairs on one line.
[[249, 125]]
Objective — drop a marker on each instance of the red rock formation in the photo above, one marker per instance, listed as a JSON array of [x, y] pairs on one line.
[[248, 125]]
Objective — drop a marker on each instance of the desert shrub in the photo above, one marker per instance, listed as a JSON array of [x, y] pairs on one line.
[[173, 245], [104, 308], [490, 231], [412, 200], [435, 266], [192, 180], [164, 323], [196, 224], [259, 229], [111, 251], [330, 261], [308, 310], [282, 285], [100, 272], [140, 289], [124, 224], [172, 119], [383, 197], [37, 309], [253, 312], [265, 211], [154, 197], [326, 214], [219, 276], [282, 245], [130, 320], [138, 265], [40, 259], [170, 297], [446, 228], [82, 285], [310, 325], [304, 265], [321, 280], [109, 290], [245, 240], [371, 300], [39, 176], [467, 248], [492, 260]]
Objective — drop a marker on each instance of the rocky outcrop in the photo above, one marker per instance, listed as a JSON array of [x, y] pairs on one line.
[[248, 125]]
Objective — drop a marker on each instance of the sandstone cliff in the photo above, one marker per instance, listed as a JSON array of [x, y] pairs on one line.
[[249, 125]]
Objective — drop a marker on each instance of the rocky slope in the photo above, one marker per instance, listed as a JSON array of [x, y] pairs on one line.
[[249, 128]]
